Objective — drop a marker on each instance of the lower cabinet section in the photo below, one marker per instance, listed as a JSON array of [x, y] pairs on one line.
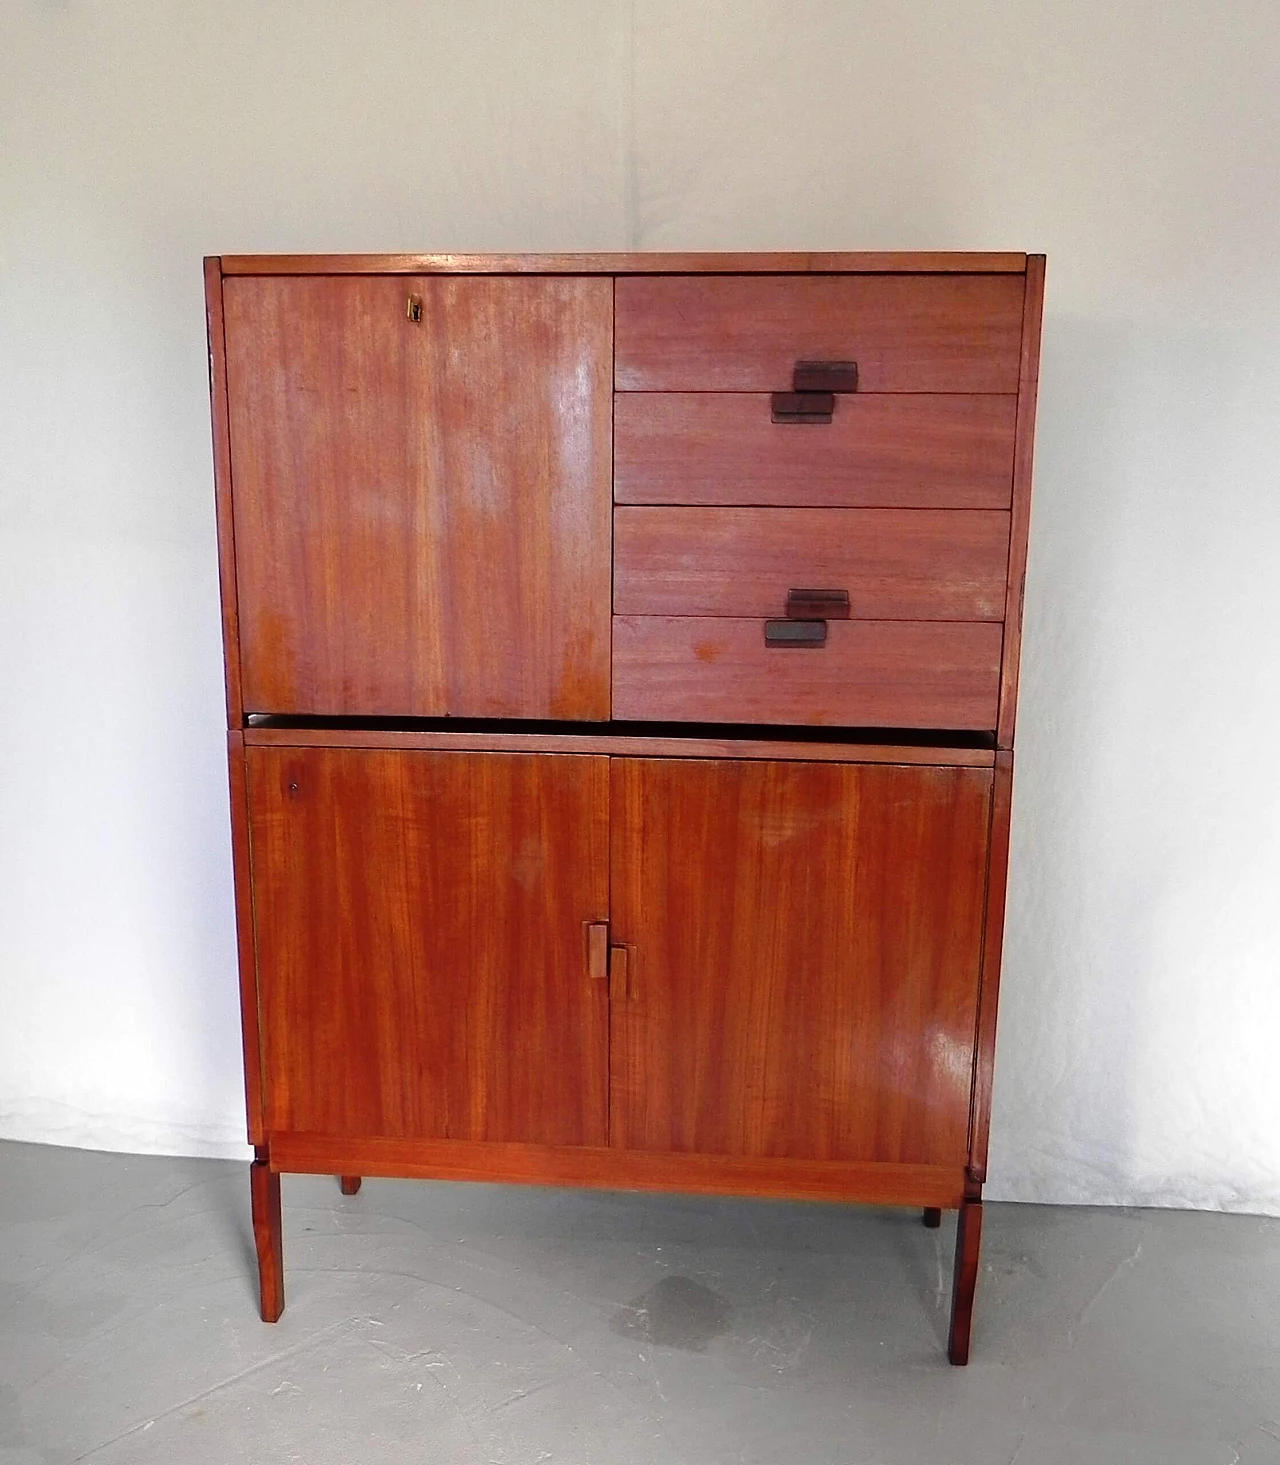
[[794, 950], [733, 975]]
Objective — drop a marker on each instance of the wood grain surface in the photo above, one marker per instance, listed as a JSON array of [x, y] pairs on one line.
[[896, 564], [910, 450], [421, 943], [422, 509], [613, 1169], [938, 674], [984, 1065], [804, 943], [907, 333]]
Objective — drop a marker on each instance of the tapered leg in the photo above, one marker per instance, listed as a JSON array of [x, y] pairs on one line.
[[968, 1246], [264, 1186], [349, 1184], [932, 1217]]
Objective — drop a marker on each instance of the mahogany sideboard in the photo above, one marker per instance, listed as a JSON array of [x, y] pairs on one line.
[[621, 667]]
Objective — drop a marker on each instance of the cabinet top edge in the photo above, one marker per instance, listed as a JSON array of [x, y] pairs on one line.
[[630, 263]]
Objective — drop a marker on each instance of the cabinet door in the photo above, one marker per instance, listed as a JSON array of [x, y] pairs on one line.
[[421, 507], [421, 940], [802, 970]]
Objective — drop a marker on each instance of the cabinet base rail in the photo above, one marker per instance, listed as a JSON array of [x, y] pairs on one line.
[[932, 1188]]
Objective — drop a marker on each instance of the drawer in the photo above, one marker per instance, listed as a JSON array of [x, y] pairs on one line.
[[931, 674], [895, 564], [924, 450], [745, 333]]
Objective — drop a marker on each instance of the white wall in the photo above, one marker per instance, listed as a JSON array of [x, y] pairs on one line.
[[1137, 144]]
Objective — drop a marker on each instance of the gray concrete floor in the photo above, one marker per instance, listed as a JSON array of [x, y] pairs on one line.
[[434, 1322]]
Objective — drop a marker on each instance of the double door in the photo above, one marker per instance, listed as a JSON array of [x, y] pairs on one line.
[[792, 949]]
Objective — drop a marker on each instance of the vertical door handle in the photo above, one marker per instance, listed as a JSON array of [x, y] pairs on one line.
[[817, 605], [597, 949], [620, 970]]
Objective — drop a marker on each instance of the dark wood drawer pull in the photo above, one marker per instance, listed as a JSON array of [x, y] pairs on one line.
[[813, 388], [825, 376], [795, 633], [802, 406], [818, 605]]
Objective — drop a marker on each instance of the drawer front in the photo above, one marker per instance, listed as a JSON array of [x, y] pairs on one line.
[[936, 674], [917, 451], [745, 333], [895, 564]]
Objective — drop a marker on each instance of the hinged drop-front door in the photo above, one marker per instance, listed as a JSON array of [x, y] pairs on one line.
[[420, 473]]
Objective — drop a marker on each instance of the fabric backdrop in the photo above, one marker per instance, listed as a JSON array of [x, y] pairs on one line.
[[1136, 143]]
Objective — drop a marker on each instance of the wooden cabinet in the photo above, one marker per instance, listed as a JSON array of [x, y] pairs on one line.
[[540, 576]]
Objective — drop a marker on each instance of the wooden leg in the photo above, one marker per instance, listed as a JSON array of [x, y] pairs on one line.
[[349, 1184], [932, 1217], [968, 1246], [264, 1188]]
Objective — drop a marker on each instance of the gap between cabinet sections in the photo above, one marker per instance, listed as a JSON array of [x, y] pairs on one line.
[[643, 740]]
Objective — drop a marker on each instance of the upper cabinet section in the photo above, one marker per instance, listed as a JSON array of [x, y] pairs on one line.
[[419, 458], [420, 472], [746, 333]]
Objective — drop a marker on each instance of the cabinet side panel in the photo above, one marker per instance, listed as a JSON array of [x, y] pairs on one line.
[[992, 950], [222, 488], [1024, 442], [242, 870], [804, 945], [422, 945]]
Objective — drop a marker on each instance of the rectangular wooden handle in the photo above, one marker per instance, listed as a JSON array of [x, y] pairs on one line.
[[795, 633], [620, 972], [801, 407], [597, 950], [818, 605], [825, 376]]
